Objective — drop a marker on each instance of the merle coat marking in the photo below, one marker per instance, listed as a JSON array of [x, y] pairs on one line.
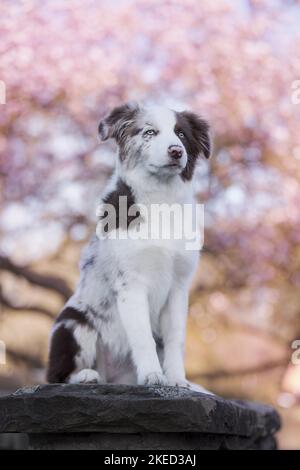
[[126, 321]]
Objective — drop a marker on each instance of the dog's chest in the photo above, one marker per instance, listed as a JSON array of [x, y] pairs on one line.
[[162, 266]]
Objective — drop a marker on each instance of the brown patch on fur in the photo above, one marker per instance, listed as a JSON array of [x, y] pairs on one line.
[[112, 198], [196, 140], [119, 123], [70, 313], [63, 350]]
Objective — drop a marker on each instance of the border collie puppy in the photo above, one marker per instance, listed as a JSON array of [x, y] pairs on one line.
[[126, 322]]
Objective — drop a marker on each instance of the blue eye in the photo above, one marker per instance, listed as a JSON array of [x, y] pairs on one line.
[[181, 135], [150, 132]]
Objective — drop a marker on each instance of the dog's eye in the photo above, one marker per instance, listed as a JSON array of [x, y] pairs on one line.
[[181, 135], [150, 132]]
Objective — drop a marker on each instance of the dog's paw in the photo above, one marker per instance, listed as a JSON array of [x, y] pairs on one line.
[[179, 383], [86, 376], [155, 378]]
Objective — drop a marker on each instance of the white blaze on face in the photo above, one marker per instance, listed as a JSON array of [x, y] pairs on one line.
[[161, 117], [155, 147]]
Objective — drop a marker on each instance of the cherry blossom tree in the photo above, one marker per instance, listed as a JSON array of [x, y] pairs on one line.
[[65, 64]]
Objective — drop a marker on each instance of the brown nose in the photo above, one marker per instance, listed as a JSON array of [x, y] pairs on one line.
[[175, 151]]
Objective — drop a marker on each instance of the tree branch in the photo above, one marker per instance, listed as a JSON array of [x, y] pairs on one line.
[[33, 308], [57, 284]]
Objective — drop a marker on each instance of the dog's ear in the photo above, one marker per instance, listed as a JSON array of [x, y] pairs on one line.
[[118, 119], [200, 133]]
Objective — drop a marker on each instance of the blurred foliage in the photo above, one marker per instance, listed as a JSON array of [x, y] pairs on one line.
[[64, 65]]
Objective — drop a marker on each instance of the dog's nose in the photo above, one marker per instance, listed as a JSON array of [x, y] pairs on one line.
[[175, 151]]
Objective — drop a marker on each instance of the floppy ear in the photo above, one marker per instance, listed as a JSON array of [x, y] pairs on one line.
[[199, 129], [118, 119]]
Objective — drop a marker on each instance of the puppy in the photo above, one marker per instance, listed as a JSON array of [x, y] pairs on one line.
[[126, 322]]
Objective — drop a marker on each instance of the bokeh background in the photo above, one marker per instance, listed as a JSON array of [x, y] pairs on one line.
[[64, 64]]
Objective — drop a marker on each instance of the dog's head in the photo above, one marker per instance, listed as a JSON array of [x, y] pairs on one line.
[[162, 141]]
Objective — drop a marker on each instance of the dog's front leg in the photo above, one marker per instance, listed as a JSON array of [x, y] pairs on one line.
[[134, 312], [173, 325]]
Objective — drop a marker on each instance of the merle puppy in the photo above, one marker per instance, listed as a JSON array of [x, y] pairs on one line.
[[126, 322]]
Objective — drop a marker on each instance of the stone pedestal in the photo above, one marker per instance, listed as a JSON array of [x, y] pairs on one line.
[[118, 417]]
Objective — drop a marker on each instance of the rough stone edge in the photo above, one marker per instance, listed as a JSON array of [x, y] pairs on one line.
[[141, 405]]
